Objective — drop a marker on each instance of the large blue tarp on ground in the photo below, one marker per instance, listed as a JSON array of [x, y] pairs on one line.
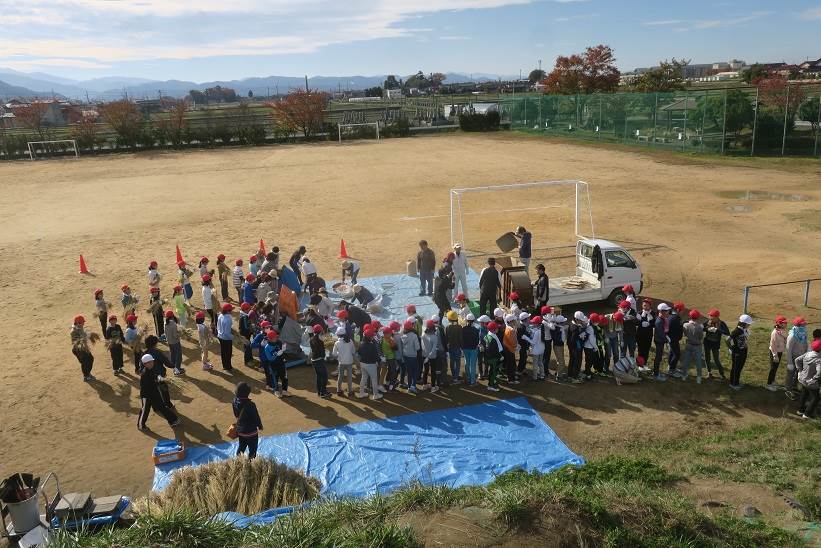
[[459, 446]]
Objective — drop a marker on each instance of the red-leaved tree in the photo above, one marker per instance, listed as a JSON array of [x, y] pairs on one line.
[[588, 72], [772, 89], [125, 119], [33, 117], [300, 111]]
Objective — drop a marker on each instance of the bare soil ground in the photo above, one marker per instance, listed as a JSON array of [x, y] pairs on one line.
[[121, 211]]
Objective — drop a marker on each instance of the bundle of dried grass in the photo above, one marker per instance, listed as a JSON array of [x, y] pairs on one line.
[[235, 485]]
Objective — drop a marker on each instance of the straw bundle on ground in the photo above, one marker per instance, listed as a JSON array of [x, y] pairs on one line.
[[235, 485]]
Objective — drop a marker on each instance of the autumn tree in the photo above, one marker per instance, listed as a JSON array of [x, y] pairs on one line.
[[668, 76], [775, 96], [300, 111], [86, 133], [178, 122], [125, 119], [33, 117], [588, 72]]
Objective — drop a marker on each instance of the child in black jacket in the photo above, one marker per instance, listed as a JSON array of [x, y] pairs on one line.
[[248, 422]]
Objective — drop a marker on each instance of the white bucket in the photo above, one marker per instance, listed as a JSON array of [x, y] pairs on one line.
[[25, 515]]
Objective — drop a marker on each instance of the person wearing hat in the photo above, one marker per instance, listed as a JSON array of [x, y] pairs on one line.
[[470, 348], [350, 267], [675, 333], [271, 262], [102, 308], [151, 397], [460, 269], [204, 339], [115, 337], [263, 287], [368, 358], [714, 331], [294, 261], [541, 287], [225, 336], [246, 332], [693, 332], [208, 299], [430, 353], [128, 300], [577, 336], [809, 367], [453, 334], [180, 306], [522, 329], [462, 307], [248, 422], [134, 339], [511, 347], [411, 353], [601, 327], [237, 278], [483, 321], [492, 349], [614, 336], [184, 276], [796, 345], [154, 275], [630, 297], [778, 343], [661, 338], [645, 329], [525, 251], [425, 266], [558, 338], [739, 343], [318, 361], [362, 294], [249, 289], [273, 354], [80, 339], [155, 304], [253, 265], [441, 285], [533, 336], [490, 282], [223, 273], [203, 267], [172, 337], [389, 346], [344, 351], [630, 325]]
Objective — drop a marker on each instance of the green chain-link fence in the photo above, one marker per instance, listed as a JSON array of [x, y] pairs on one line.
[[733, 121]]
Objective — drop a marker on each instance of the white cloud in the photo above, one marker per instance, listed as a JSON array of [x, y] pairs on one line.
[[34, 64], [173, 29], [813, 14], [662, 23], [454, 38], [731, 21]]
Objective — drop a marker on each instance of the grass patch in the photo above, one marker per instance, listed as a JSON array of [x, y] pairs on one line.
[[807, 219]]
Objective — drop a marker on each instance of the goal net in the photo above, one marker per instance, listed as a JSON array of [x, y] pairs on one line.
[[556, 213], [46, 148], [368, 130]]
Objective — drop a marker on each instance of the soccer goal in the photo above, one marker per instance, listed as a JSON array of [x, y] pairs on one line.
[[548, 207], [358, 131], [46, 147]]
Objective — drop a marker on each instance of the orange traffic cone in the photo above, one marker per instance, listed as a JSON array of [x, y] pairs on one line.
[[343, 251], [261, 245], [179, 255], [83, 267]]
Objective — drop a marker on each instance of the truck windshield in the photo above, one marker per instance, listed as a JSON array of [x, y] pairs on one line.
[[616, 259]]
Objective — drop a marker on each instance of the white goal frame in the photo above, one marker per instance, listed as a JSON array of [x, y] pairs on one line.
[[340, 126], [457, 226], [33, 153]]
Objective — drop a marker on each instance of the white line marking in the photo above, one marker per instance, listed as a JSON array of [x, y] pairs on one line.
[[477, 212]]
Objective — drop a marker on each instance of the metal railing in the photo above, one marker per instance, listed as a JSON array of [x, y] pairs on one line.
[[806, 283]]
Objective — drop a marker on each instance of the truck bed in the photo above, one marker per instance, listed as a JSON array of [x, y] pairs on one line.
[[560, 295]]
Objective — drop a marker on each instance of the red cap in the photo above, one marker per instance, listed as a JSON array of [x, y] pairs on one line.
[[546, 310], [154, 290], [816, 345], [342, 315], [695, 314], [199, 315], [461, 297], [272, 335], [264, 324], [368, 332], [394, 326], [112, 318], [97, 292], [252, 258], [678, 305], [206, 278], [409, 325], [181, 264], [410, 309], [79, 319], [227, 307], [493, 326], [131, 318], [317, 329], [387, 331], [628, 289], [429, 324], [514, 296], [376, 325], [648, 301], [152, 264], [250, 278], [169, 313], [245, 307], [124, 287], [221, 257], [203, 259], [640, 360], [238, 262], [624, 304], [594, 318], [603, 320], [618, 316], [536, 320], [177, 287], [714, 313], [780, 319], [799, 321]]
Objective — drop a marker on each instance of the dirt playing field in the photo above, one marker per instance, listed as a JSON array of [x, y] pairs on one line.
[[121, 211]]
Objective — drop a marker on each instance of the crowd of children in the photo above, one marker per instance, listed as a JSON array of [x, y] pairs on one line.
[[428, 354]]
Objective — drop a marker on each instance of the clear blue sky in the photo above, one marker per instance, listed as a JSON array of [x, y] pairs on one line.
[[219, 40]]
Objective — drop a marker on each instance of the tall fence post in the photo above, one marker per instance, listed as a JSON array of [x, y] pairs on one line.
[[786, 111], [755, 122], [723, 123], [807, 293], [817, 128], [746, 298]]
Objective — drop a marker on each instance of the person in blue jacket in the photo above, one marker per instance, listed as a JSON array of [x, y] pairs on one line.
[[248, 422], [525, 251], [249, 290]]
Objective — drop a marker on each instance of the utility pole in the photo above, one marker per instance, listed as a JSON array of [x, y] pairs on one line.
[[306, 84]]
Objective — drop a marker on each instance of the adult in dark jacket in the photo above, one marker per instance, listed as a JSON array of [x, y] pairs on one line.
[[489, 285], [631, 325], [441, 285], [150, 397], [675, 331], [660, 337], [541, 287], [644, 331], [525, 251], [356, 315], [248, 422], [425, 266], [293, 262]]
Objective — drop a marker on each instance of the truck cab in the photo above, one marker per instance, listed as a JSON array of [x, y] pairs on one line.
[[602, 269]]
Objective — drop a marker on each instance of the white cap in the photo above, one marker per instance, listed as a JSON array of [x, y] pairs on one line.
[[523, 316], [663, 307], [510, 318], [470, 318], [579, 316], [746, 318], [484, 318], [559, 319], [499, 313], [340, 331], [147, 358], [457, 245], [435, 318]]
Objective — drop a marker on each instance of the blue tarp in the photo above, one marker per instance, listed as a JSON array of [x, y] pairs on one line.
[[459, 446]]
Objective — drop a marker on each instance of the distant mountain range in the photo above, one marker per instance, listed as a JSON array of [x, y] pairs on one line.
[[38, 84]]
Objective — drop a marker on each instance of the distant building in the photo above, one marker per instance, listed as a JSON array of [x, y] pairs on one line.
[[393, 94], [810, 68]]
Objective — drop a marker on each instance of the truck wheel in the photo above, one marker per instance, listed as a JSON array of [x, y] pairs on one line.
[[616, 297]]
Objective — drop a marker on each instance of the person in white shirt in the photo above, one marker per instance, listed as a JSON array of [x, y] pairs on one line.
[[237, 278], [225, 336], [350, 268], [460, 270], [154, 276], [208, 299], [344, 351]]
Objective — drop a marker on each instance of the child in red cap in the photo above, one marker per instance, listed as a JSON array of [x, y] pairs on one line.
[[102, 308], [778, 343], [80, 340], [114, 340]]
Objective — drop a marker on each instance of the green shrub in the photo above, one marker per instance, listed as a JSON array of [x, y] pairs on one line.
[[480, 122]]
